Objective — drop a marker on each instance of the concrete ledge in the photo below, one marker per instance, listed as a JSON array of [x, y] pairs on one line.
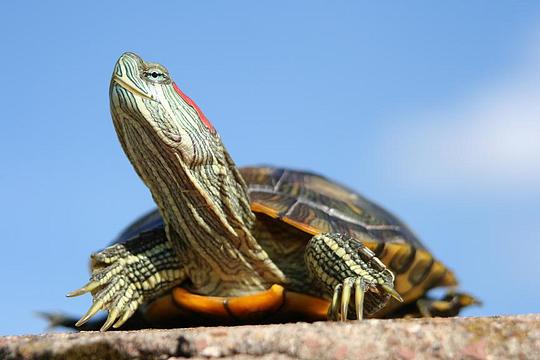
[[454, 338]]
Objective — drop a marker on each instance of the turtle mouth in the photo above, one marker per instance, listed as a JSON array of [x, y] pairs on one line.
[[131, 88]]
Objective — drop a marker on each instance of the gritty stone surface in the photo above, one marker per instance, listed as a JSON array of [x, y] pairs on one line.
[[509, 337]]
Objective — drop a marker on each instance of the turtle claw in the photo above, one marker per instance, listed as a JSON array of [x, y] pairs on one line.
[[130, 311], [359, 298], [111, 318], [83, 290], [346, 297], [392, 292], [96, 306], [333, 310], [339, 308]]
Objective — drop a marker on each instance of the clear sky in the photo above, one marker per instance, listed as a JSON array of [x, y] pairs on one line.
[[431, 109]]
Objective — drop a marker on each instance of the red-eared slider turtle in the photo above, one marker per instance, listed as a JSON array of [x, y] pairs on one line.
[[255, 244]]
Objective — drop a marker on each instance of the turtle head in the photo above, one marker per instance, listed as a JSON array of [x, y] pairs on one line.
[[145, 99], [172, 145]]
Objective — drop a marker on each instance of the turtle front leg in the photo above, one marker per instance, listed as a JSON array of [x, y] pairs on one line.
[[341, 265], [127, 275]]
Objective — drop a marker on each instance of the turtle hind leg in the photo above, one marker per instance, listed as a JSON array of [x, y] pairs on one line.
[[341, 266], [127, 275], [449, 305], [136, 322]]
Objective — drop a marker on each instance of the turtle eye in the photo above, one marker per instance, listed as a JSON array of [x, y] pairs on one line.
[[156, 76]]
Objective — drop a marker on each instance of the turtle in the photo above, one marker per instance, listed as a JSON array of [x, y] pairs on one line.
[[245, 245]]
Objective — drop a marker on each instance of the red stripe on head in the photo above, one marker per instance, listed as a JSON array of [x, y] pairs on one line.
[[191, 103]]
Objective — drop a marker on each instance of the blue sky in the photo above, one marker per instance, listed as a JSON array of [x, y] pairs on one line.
[[430, 109]]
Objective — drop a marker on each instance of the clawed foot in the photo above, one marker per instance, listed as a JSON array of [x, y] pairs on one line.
[[449, 305], [113, 285], [377, 296], [341, 265], [126, 275]]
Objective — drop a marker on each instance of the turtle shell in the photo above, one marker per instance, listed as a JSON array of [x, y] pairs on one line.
[[314, 204]]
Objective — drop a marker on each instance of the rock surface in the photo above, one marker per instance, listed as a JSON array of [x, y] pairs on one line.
[[507, 337]]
